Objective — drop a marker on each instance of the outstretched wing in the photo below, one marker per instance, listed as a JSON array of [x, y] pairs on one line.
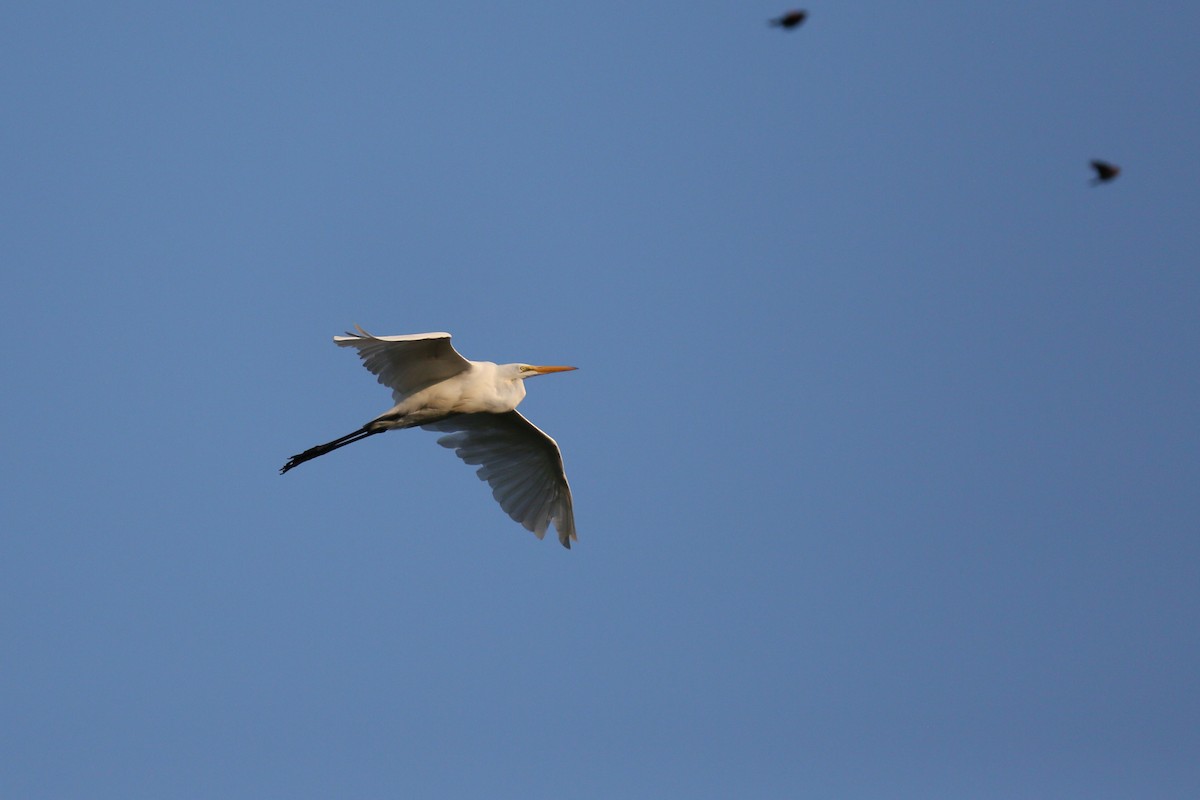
[[406, 364], [522, 465]]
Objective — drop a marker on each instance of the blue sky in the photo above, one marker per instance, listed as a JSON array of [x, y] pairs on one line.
[[883, 441]]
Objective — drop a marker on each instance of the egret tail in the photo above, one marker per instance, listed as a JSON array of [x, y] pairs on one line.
[[329, 447]]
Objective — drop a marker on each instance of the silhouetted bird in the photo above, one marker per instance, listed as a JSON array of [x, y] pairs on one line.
[[1105, 172], [791, 19]]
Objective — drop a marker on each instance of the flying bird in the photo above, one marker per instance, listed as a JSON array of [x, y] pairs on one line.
[[791, 19], [1105, 172], [474, 403]]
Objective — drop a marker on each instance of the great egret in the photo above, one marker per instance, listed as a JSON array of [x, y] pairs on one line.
[[791, 19], [1105, 172], [474, 402]]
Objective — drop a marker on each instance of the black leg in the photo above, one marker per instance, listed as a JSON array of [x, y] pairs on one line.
[[322, 449]]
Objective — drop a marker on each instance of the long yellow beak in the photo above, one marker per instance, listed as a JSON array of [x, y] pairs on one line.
[[544, 370]]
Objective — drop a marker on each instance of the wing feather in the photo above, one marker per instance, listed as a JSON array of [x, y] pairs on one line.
[[406, 364], [520, 462]]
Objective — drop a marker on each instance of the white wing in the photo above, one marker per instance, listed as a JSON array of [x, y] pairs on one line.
[[522, 465], [406, 364]]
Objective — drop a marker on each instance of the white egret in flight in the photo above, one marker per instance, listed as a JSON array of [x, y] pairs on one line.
[[474, 402]]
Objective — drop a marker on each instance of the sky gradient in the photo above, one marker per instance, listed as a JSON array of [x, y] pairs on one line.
[[883, 442]]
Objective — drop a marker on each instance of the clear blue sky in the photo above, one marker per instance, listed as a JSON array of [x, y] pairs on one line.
[[884, 440]]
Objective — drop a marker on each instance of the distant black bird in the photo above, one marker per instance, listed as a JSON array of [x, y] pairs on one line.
[[791, 19], [1105, 172]]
